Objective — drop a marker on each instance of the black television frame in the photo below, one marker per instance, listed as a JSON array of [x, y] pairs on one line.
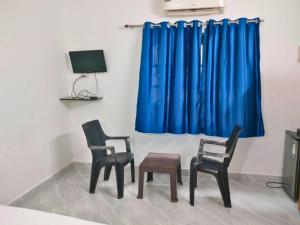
[[88, 61]]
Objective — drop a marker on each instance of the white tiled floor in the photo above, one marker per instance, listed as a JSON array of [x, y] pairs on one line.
[[253, 203]]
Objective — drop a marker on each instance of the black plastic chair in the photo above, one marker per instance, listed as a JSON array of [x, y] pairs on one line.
[[96, 138], [214, 167]]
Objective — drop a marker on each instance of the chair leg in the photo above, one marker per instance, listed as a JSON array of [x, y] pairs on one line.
[[196, 179], [221, 179], [94, 176], [107, 172], [227, 202], [132, 171], [120, 180], [149, 176], [193, 175]]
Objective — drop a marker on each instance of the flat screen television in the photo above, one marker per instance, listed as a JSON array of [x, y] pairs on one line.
[[92, 61]]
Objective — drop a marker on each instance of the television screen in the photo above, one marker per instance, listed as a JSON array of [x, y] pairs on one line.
[[88, 61]]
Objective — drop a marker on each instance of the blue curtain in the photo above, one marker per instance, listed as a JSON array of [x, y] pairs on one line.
[[177, 96], [231, 79], [169, 86]]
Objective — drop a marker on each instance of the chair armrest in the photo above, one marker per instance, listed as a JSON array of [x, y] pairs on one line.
[[125, 138], [211, 142], [103, 148], [201, 151], [214, 154], [119, 137]]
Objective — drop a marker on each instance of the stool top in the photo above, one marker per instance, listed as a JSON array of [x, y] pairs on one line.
[[161, 160]]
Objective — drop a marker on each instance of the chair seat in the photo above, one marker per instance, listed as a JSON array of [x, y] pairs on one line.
[[210, 165], [122, 158]]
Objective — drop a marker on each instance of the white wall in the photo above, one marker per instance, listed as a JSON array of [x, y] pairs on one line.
[[34, 139], [98, 25]]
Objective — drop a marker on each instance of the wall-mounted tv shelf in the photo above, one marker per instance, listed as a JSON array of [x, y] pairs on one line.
[[80, 99]]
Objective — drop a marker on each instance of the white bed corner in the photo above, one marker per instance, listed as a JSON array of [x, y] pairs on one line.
[[20, 216]]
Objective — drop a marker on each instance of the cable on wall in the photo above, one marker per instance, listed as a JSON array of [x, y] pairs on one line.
[[84, 93]]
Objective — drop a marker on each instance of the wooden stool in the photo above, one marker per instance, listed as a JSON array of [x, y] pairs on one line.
[[161, 163]]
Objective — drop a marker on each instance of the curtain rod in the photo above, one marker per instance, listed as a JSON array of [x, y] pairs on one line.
[[189, 24]]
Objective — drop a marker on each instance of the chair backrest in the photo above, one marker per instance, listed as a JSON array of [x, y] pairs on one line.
[[95, 136], [231, 143]]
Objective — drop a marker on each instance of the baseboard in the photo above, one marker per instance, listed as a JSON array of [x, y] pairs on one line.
[[234, 175], [63, 168], [239, 176], [184, 172]]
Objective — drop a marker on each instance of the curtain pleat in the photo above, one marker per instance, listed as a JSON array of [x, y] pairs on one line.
[[232, 92]]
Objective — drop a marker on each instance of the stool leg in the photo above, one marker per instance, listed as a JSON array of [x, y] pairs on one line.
[[173, 185], [149, 176], [179, 178], [141, 183]]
